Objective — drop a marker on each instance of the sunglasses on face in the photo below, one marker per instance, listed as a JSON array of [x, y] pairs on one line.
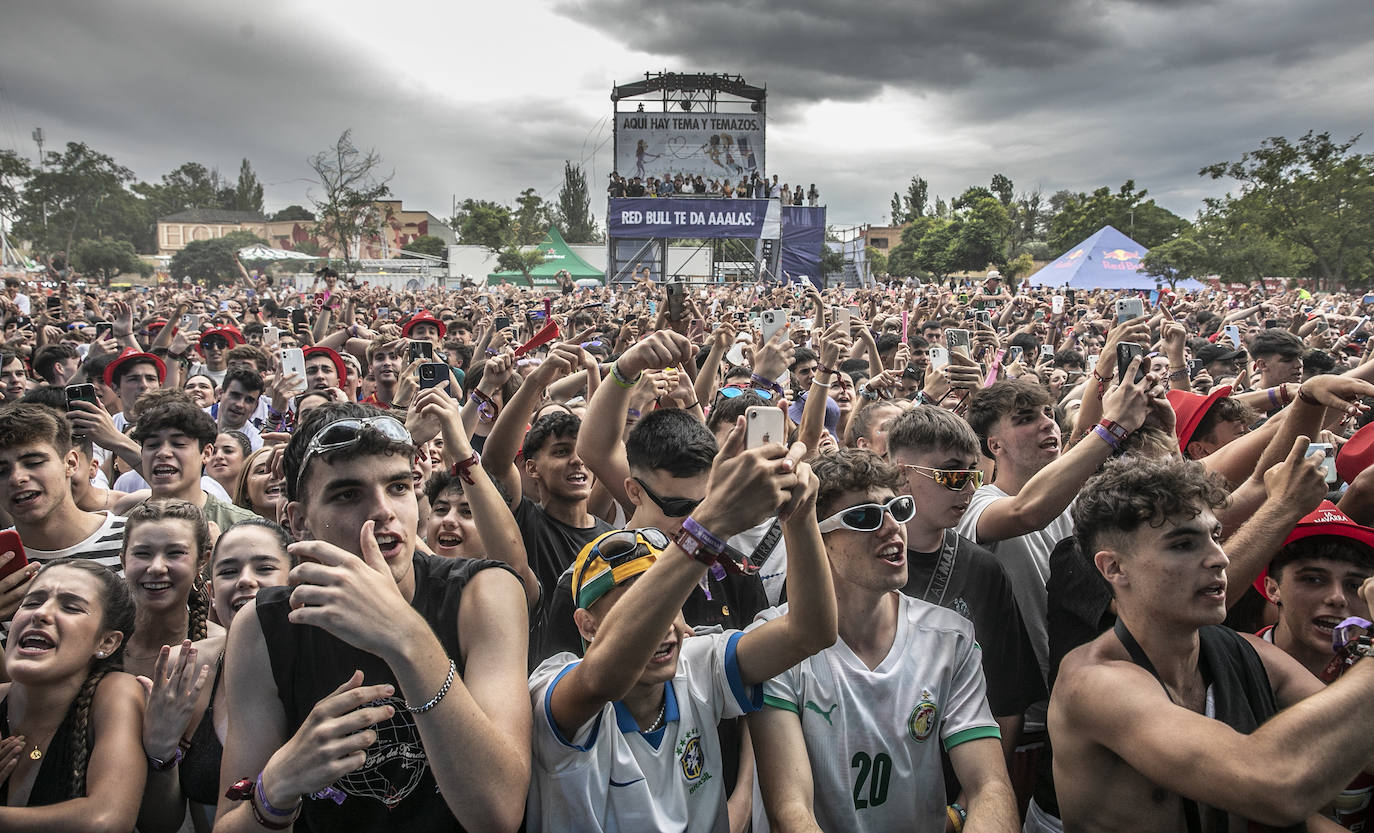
[[868, 517], [732, 391], [347, 433], [953, 479], [671, 507]]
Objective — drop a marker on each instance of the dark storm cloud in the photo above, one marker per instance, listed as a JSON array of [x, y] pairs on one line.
[[155, 85]]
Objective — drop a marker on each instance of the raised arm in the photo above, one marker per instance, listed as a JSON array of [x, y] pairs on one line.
[[504, 440]]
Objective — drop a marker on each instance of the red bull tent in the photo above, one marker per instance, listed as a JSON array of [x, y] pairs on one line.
[[557, 257], [1107, 260]]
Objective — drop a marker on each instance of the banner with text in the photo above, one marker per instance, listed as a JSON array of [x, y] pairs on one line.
[[694, 217], [710, 145]]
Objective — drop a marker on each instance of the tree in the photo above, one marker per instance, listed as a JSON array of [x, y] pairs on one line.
[[426, 244], [1238, 249], [293, 212], [1018, 266], [70, 197], [212, 261], [574, 213], [1081, 215], [1314, 195], [832, 262], [1002, 187], [933, 252], [1175, 260], [107, 258], [978, 232], [877, 261], [347, 206], [14, 173], [248, 192], [531, 218], [913, 205], [516, 259], [483, 223]]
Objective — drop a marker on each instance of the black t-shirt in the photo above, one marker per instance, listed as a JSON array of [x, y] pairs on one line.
[[979, 590], [552, 545], [394, 789]]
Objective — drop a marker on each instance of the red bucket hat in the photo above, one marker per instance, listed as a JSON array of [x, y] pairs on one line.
[[424, 316], [1190, 408], [128, 355], [229, 334], [332, 356]]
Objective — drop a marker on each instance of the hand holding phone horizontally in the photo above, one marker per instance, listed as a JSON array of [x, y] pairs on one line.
[[763, 424]]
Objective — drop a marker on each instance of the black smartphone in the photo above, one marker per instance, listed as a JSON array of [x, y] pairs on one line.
[[1068, 293], [421, 350], [297, 316], [1125, 352], [432, 374], [501, 322], [102, 328], [675, 291], [81, 393]]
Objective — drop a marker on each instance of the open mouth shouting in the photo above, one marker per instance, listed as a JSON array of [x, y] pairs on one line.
[[165, 473], [667, 650], [35, 643]]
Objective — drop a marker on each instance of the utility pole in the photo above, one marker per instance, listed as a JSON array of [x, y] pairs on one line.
[[38, 140]]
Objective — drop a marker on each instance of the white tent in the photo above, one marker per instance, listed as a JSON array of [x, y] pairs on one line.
[[264, 253]]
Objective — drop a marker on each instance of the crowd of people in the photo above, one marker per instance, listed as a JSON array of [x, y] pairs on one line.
[[913, 557], [755, 186]]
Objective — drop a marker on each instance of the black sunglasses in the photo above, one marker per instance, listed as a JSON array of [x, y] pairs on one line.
[[671, 507]]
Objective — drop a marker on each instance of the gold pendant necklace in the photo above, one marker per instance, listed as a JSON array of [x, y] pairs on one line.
[[36, 754]]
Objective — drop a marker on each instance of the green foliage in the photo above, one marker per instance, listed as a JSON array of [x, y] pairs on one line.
[[350, 189], [531, 218], [908, 208], [107, 258], [212, 261], [248, 192], [515, 259], [877, 261], [1018, 266], [73, 196], [1310, 200], [14, 172], [427, 244], [1081, 215], [574, 212], [1176, 260], [294, 213], [483, 223], [832, 261]]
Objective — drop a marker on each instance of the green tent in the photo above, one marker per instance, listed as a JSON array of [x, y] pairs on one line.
[[557, 257]]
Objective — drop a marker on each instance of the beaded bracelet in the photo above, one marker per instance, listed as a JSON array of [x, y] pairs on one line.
[[443, 691]]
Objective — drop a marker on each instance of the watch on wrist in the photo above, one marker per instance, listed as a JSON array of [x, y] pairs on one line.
[[162, 765]]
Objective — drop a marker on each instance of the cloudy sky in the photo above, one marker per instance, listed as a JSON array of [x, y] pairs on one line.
[[484, 100]]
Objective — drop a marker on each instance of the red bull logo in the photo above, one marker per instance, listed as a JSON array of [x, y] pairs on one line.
[[1121, 255], [1121, 259], [1069, 259]]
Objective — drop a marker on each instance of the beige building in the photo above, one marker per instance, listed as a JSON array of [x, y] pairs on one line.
[[399, 227], [882, 238]]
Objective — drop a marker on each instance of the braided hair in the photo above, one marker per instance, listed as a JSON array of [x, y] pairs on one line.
[[117, 614], [161, 509]]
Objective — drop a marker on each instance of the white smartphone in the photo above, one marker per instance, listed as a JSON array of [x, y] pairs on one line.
[[959, 342], [735, 355], [772, 320], [271, 335], [854, 312], [1233, 333], [293, 361], [763, 424], [843, 318], [1328, 465], [939, 358], [1057, 305], [1128, 309]]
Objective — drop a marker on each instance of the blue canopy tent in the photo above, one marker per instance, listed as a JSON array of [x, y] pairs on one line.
[[1106, 260]]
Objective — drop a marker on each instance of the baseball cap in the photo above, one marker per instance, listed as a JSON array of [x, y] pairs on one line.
[[329, 354], [130, 355], [230, 335], [424, 316], [1327, 519], [1190, 408], [613, 558], [1217, 353]]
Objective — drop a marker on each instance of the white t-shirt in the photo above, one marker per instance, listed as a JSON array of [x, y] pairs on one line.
[[1026, 560], [22, 301], [610, 776], [132, 481], [873, 737]]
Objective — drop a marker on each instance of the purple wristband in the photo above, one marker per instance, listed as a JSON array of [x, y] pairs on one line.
[[1107, 437], [262, 798], [703, 535]]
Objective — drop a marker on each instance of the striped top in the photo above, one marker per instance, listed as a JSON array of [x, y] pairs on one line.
[[102, 547]]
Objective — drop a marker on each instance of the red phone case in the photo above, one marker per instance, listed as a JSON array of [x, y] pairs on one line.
[[9, 542]]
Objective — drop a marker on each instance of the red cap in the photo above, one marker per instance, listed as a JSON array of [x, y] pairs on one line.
[[1190, 408], [422, 317], [229, 334], [333, 357], [129, 354], [156, 324], [1356, 455], [1326, 519]]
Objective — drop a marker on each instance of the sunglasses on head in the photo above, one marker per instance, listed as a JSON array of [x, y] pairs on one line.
[[953, 479], [868, 517], [347, 433], [622, 547], [671, 507]]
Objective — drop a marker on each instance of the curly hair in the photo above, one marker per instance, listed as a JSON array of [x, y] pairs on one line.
[[117, 614], [851, 470], [371, 444], [161, 509], [555, 425], [1133, 491]]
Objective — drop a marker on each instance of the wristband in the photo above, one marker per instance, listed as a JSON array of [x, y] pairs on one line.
[[1273, 399], [621, 380], [868, 394], [820, 368], [957, 817], [161, 765], [699, 543], [462, 468], [1107, 437], [267, 805], [443, 690], [1101, 383], [767, 383]]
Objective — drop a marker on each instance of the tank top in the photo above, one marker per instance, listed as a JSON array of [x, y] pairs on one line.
[[198, 772], [394, 789], [49, 787]]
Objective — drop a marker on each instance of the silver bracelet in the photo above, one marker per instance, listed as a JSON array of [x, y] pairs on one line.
[[434, 701]]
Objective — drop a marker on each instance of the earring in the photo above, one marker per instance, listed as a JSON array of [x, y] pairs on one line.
[[100, 654]]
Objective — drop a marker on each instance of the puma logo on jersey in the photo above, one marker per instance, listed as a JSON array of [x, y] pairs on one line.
[[822, 712]]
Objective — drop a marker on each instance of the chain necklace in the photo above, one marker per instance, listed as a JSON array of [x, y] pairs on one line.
[[658, 721]]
